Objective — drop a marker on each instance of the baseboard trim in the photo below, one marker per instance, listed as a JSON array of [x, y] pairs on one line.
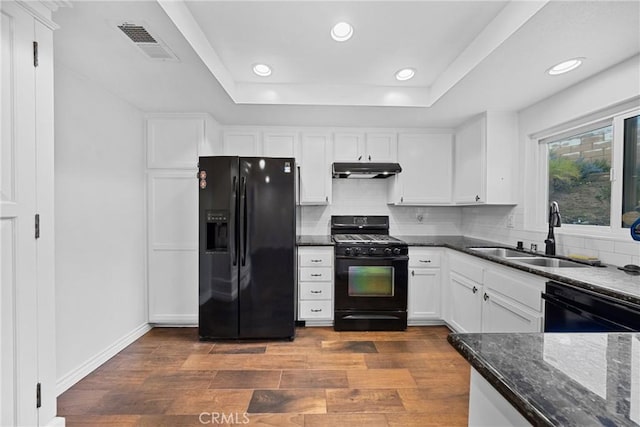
[[68, 380], [57, 422], [174, 319], [425, 322]]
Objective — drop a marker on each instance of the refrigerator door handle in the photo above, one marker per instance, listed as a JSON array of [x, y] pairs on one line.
[[234, 241], [243, 220]]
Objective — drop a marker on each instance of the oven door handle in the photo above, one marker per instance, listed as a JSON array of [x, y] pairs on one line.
[[395, 258], [594, 317]]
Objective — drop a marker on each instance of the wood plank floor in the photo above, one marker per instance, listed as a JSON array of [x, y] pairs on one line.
[[322, 378]]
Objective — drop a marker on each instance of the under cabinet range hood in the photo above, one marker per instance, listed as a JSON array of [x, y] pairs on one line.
[[365, 170]]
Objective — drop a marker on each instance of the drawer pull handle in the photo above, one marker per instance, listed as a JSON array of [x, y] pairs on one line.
[[486, 297], [426, 261], [316, 275], [316, 292], [317, 310], [413, 272], [316, 260], [474, 290]]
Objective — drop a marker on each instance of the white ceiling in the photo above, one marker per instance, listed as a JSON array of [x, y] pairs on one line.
[[470, 56]]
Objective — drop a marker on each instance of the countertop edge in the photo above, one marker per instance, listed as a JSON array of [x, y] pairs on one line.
[[521, 404]]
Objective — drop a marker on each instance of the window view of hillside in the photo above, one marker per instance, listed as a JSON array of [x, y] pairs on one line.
[[579, 177]]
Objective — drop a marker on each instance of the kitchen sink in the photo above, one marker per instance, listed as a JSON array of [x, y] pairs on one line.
[[502, 252], [549, 262]]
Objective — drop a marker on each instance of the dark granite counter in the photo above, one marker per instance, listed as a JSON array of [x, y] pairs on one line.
[[606, 280], [311, 240], [564, 380]]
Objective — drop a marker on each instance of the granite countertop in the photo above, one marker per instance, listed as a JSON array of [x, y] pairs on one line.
[[561, 379], [312, 240], [606, 280]]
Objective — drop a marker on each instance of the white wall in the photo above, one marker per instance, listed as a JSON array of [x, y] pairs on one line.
[[614, 89], [100, 225]]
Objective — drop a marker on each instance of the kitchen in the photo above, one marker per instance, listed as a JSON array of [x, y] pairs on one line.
[[120, 250]]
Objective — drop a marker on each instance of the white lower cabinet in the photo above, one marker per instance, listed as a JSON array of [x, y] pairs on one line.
[[465, 311], [487, 297], [424, 301], [315, 285]]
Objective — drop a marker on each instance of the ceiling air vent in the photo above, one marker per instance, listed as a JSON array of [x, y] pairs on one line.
[[150, 45]]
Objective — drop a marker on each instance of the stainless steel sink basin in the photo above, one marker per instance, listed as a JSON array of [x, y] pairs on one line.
[[502, 252], [549, 262]]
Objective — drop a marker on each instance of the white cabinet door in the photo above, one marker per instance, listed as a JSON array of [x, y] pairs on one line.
[[279, 144], [424, 294], [470, 163], [315, 171], [381, 147], [426, 176], [240, 143], [348, 147], [501, 315], [465, 310], [173, 247]]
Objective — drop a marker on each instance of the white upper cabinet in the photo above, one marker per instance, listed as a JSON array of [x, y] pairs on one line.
[[279, 144], [364, 147], [240, 143], [427, 172], [485, 152], [315, 169], [173, 141]]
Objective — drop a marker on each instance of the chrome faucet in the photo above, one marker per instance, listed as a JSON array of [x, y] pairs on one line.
[[554, 221]]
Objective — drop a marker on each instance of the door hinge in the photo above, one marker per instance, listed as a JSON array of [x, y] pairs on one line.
[[37, 226], [35, 54], [38, 395]]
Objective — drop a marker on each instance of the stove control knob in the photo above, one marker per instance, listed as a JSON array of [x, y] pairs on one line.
[[372, 251], [396, 251], [356, 251], [347, 251], [387, 251]]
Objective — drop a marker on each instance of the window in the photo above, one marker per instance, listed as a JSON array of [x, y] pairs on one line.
[[631, 172], [593, 172], [579, 176]]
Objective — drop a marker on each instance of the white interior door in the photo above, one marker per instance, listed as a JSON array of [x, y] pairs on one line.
[[18, 308]]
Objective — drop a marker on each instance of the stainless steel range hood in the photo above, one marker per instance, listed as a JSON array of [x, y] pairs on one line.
[[365, 170]]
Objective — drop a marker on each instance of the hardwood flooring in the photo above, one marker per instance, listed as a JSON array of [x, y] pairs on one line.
[[322, 378]]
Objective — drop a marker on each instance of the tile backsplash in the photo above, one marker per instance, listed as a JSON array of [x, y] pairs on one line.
[[490, 222], [368, 197]]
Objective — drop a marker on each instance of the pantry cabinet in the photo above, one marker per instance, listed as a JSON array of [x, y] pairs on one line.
[[315, 169], [424, 300], [364, 147], [427, 170], [484, 155]]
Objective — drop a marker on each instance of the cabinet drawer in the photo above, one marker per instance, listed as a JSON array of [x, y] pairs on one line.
[[315, 310], [467, 267], [316, 259], [527, 291], [423, 259], [315, 290], [315, 274]]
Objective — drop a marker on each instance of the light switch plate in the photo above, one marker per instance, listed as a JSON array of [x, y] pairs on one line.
[[510, 221]]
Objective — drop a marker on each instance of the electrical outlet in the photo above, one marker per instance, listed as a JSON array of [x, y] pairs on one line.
[[511, 221]]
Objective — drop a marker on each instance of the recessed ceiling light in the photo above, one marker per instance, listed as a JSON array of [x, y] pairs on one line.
[[405, 74], [262, 70], [342, 31], [565, 66]]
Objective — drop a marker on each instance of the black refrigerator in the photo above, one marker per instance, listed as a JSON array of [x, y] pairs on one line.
[[247, 237]]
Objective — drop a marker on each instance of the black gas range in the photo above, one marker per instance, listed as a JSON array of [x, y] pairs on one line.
[[371, 275]]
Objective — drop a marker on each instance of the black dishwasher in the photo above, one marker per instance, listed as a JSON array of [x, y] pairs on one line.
[[571, 309]]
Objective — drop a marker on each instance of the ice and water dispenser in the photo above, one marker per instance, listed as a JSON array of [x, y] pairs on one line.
[[217, 230]]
